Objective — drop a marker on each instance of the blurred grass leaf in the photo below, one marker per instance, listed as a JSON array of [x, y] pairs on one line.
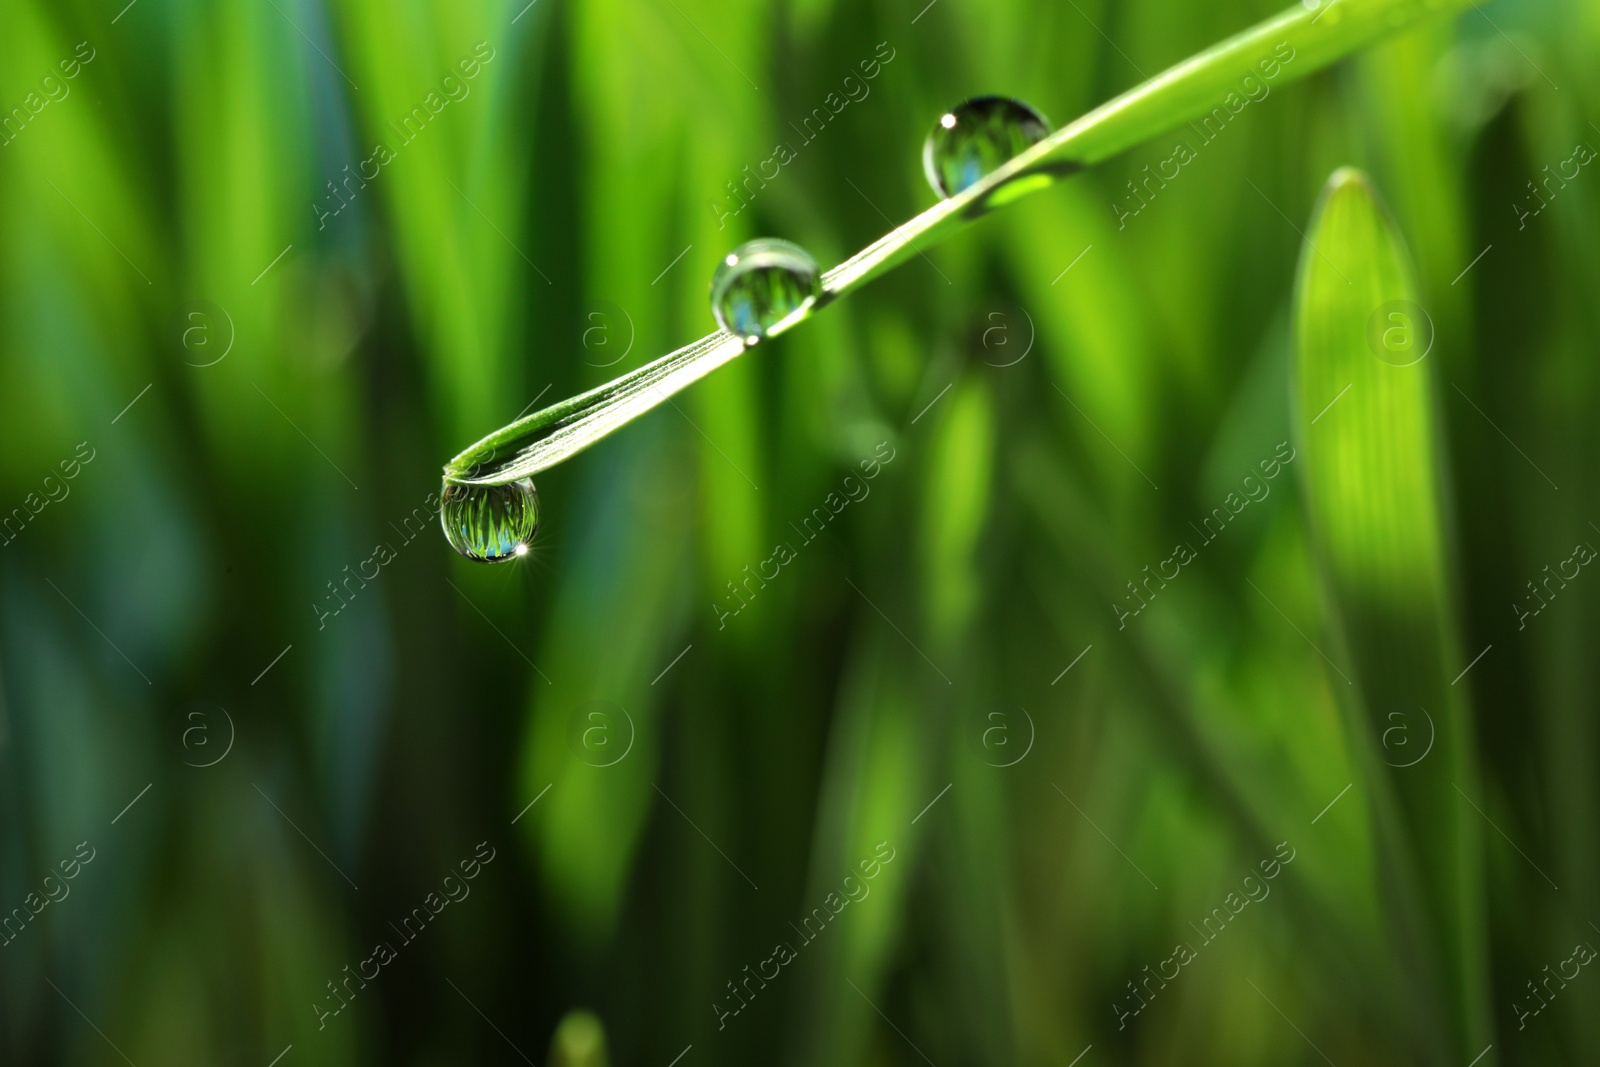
[[579, 1041], [1367, 424]]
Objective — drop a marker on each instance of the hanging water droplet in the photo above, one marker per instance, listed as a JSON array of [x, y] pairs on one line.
[[762, 285], [490, 523], [977, 136]]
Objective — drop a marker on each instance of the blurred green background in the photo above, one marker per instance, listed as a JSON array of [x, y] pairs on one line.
[[239, 341]]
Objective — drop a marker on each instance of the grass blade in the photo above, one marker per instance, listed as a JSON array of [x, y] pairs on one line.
[[1367, 424], [1298, 42]]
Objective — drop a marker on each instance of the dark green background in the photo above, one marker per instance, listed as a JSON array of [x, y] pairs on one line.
[[524, 240]]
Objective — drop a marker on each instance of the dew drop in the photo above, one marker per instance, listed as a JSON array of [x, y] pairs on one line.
[[762, 285], [977, 136], [490, 523]]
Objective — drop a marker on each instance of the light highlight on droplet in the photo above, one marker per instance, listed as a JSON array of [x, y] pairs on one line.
[[490, 523], [762, 285], [976, 137]]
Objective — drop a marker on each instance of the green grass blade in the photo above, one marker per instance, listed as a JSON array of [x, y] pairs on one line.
[[1293, 44], [1365, 409], [576, 423], [579, 1041]]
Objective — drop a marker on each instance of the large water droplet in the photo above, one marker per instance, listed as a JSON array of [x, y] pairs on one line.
[[974, 138], [490, 523], [762, 285]]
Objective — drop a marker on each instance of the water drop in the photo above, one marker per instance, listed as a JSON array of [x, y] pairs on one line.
[[490, 523], [977, 136], [763, 285]]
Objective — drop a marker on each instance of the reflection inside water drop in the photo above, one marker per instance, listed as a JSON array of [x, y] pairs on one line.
[[761, 285], [490, 523], [974, 138]]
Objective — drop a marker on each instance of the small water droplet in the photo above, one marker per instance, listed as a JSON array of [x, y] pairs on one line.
[[977, 136], [490, 523], [761, 285]]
